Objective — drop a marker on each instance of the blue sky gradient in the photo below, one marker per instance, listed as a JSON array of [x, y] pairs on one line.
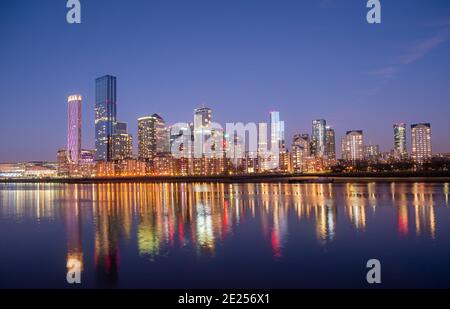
[[242, 58]]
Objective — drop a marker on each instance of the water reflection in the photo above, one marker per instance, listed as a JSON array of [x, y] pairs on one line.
[[163, 217]]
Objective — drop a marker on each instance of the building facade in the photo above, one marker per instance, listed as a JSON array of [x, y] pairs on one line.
[[330, 143], [153, 137], [400, 149], [105, 116], [300, 152], [277, 140], [318, 137], [202, 130], [421, 142], [74, 128], [371, 152], [353, 146]]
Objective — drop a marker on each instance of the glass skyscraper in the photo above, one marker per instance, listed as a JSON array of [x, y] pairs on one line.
[[277, 140], [202, 130], [74, 128], [105, 116], [400, 140], [318, 138], [330, 143]]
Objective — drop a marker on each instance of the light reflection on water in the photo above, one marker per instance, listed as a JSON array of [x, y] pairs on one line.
[[165, 218]]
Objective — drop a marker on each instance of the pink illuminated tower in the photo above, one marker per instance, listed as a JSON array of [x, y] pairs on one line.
[[74, 128]]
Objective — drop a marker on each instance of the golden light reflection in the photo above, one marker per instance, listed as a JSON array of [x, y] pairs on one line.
[[159, 217]]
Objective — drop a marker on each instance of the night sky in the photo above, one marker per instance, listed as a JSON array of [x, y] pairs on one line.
[[242, 58]]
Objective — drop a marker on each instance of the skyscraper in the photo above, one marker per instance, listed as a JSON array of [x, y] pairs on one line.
[[263, 150], [330, 143], [105, 116], [318, 138], [74, 128], [202, 130], [400, 140], [153, 137], [421, 142], [277, 139], [122, 142], [122, 146], [353, 146], [300, 152]]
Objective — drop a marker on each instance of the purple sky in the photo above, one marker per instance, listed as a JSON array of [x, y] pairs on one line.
[[242, 58]]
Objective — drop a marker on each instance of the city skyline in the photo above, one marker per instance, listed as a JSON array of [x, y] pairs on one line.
[[206, 138], [155, 136], [385, 74], [321, 143]]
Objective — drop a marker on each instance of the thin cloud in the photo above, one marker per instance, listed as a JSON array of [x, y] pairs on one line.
[[417, 50], [386, 72], [421, 49]]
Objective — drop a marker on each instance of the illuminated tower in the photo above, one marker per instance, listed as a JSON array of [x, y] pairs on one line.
[[202, 130], [421, 142], [300, 152], [277, 140], [353, 146], [153, 137], [318, 138], [122, 142], [74, 128], [330, 143], [105, 116], [400, 140], [262, 146]]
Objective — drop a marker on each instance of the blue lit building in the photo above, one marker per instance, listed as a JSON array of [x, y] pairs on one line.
[[105, 116]]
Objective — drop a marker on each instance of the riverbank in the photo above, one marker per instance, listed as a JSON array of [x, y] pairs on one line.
[[439, 177]]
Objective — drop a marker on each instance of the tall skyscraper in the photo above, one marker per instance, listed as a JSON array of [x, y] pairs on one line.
[[330, 143], [74, 128], [421, 142], [353, 146], [202, 130], [277, 139], [400, 140], [153, 137], [105, 116], [263, 150], [318, 138]]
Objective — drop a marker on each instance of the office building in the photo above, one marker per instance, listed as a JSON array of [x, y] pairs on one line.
[[371, 152], [153, 137], [277, 140], [400, 150], [300, 152], [202, 130], [105, 116], [421, 142], [353, 146], [330, 143], [318, 137]]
